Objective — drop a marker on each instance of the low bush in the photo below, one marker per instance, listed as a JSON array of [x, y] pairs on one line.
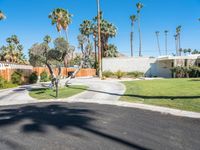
[[108, 74], [33, 78], [119, 74], [135, 74], [2, 82], [16, 78], [5, 84], [44, 77]]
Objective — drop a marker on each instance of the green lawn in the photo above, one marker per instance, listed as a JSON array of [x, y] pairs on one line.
[[63, 92], [175, 93]]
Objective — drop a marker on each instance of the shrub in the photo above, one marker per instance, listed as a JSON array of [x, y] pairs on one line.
[[16, 78], [5, 84], [44, 77], [33, 78], [2, 82], [107, 74], [119, 74], [135, 74]]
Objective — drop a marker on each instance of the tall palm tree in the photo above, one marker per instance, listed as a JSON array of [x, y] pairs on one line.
[[178, 33], [2, 16], [158, 42], [139, 7], [99, 38], [62, 19], [86, 28], [47, 39], [133, 19], [166, 42], [176, 43]]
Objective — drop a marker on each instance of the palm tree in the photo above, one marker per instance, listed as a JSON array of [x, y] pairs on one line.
[[158, 42], [86, 28], [176, 43], [62, 19], [139, 7], [2, 16], [133, 19], [185, 51], [99, 38], [166, 46], [178, 33], [47, 39], [189, 51]]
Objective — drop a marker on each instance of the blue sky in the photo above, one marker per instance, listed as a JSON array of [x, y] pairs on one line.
[[29, 20]]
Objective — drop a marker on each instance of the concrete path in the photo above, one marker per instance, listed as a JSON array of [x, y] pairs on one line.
[[99, 90]]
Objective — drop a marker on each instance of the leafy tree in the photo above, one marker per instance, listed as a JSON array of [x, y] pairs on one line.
[[133, 19], [42, 54]]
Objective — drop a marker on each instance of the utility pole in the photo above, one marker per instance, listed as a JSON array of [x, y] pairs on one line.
[[99, 40]]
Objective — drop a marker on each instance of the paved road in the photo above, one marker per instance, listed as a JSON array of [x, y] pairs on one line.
[[62, 126]]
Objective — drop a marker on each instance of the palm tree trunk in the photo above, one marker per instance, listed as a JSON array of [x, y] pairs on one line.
[[158, 42], [99, 40], [166, 51], [140, 36], [131, 39], [66, 34], [179, 42]]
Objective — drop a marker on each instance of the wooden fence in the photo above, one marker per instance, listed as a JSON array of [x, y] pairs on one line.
[[6, 71]]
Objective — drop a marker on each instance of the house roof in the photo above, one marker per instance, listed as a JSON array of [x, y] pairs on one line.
[[196, 56]]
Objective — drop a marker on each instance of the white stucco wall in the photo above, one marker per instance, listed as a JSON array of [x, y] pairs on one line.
[[143, 64]]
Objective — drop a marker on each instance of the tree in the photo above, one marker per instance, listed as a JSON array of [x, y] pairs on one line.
[[112, 51], [2, 16], [178, 33], [62, 19], [158, 42], [133, 18], [166, 43], [176, 44], [13, 52], [139, 7], [42, 54], [189, 51], [86, 28], [185, 51]]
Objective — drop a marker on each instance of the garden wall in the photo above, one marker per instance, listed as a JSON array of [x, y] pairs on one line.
[[6, 70], [142, 64]]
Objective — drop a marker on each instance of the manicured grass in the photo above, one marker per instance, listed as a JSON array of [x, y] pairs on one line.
[[175, 93], [51, 94]]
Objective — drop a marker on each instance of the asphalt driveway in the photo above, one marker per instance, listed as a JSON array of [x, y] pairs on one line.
[[78, 126]]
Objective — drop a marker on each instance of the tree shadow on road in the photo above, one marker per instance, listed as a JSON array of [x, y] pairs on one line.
[[58, 116]]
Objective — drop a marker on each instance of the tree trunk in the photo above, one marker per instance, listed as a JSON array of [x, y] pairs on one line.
[[140, 36], [131, 44], [166, 51], [158, 42], [66, 34]]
